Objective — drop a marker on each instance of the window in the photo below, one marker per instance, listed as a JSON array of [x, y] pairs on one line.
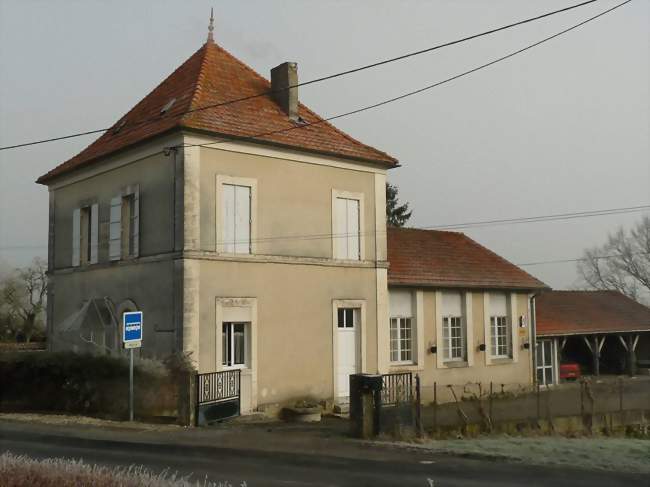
[[85, 235], [346, 318], [500, 336], [453, 338], [347, 238], [233, 343], [124, 226], [401, 340], [236, 219]]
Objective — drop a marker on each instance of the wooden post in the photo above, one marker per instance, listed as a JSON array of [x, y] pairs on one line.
[[538, 403], [620, 395], [435, 408], [582, 399], [418, 407], [490, 403], [631, 354], [595, 351]]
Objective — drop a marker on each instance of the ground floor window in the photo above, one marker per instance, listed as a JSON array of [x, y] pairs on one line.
[[345, 318], [401, 340], [453, 337], [500, 345], [233, 340]]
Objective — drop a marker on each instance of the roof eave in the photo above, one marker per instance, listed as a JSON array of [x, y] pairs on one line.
[[48, 179], [467, 285], [237, 138]]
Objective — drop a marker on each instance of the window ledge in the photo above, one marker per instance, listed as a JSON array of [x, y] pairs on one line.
[[455, 364], [501, 361]]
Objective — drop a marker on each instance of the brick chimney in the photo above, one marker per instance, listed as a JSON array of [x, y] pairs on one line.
[[283, 76]]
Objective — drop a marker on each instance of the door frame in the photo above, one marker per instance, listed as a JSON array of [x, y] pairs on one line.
[[360, 330]]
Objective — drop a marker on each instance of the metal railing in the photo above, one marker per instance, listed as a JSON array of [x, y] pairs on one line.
[[215, 387], [397, 389]]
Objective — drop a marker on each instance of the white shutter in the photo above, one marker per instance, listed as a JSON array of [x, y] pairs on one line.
[[242, 219], [94, 233], [136, 223], [115, 229], [353, 229], [76, 237], [340, 230], [228, 217]]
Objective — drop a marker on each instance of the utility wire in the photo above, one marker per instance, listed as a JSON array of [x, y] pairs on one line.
[[454, 226], [582, 259], [229, 138], [129, 126]]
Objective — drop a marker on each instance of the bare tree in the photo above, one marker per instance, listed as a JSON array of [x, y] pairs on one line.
[[23, 297], [622, 263]]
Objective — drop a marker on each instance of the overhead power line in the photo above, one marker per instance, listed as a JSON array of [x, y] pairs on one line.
[[580, 259], [454, 226], [230, 138], [129, 126]]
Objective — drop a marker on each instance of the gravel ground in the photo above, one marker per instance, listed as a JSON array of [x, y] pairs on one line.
[[619, 454]]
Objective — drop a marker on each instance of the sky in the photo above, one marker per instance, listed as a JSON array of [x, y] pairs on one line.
[[561, 128]]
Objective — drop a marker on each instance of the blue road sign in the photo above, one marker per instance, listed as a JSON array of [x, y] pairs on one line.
[[132, 326]]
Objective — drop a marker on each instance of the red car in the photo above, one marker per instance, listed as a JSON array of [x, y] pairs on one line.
[[569, 371]]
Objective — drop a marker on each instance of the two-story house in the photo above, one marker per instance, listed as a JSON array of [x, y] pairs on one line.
[[249, 231], [252, 234]]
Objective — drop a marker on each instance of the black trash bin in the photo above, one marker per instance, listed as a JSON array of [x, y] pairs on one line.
[[365, 404]]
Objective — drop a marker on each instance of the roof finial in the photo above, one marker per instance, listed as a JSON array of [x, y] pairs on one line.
[[211, 26]]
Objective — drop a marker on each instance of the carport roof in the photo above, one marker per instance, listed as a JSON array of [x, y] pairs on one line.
[[585, 312]]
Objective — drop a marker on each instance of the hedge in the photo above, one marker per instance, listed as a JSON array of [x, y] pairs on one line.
[[83, 384]]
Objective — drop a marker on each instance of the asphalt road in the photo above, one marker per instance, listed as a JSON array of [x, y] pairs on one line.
[[267, 468]]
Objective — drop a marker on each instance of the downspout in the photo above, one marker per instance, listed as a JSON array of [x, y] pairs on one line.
[[533, 335]]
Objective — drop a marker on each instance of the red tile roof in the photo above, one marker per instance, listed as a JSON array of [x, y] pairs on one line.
[[575, 312], [211, 76], [450, 259]]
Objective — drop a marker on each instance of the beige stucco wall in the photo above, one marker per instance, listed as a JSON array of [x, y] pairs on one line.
[[294, 322], [149, 286], [292, 281], [149, 281], [154, 175], [294, 200], [514, 372]]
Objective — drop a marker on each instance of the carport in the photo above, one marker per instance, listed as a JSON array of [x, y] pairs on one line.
[[605, 332]]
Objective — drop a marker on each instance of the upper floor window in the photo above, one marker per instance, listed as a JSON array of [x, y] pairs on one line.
[[236, 218], [85, 235], [346, 221], [124, 226]]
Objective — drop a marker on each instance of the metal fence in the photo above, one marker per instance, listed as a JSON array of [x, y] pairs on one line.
[[215, 387], [396, 389], [491, 405]]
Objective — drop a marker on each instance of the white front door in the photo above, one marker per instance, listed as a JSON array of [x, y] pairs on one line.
[[347, 345]]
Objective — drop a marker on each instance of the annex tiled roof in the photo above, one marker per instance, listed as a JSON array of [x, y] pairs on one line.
[[211, 76], [576, 312], [450, 259]]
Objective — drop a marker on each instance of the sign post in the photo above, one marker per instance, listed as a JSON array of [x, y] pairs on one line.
[[132, 338]]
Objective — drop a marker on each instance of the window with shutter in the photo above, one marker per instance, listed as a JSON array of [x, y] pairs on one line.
[[115, 229], [236, 218], [76, 237], [347, 238], [94, 233]]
